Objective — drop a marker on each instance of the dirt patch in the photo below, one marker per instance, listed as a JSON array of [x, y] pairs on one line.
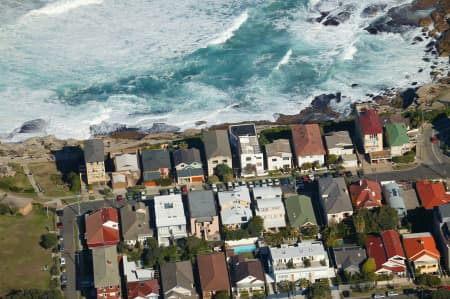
[[49, 179]]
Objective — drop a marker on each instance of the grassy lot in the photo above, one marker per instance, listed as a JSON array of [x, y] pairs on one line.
[[18, 183], [21, 256], [50, 179]]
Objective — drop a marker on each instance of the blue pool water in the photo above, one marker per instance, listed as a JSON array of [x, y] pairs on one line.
[[244, 248]]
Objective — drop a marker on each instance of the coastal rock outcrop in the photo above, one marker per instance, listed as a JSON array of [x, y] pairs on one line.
[[33, 126]]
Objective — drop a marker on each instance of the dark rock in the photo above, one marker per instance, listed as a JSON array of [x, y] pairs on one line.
[[418, 39], [420, 70], [434, 52], [323, 15], [33, 126], [355, 85], [414, 83], [430, 44], [331, 22], [200, 122], [160, 128], [372, 10], [408, 96], [426, 59]]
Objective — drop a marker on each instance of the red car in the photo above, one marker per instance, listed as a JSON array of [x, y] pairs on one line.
[[60, 225], [434, 139], [184, 189], [119, 197]]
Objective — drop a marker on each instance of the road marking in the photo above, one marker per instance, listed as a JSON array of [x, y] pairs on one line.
[[434, 153]]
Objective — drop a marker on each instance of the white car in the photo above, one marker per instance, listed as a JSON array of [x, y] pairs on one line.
[[377, 296], [392, 293], [230, 185], [269, 182], [214, 187], [62, 261], [276, 182], [311, 177]]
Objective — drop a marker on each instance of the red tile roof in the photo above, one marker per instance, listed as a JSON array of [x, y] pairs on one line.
[[142, 289], [213, 272], [366, 194], [369, 122], [432, 194], [375, 250], [307, 140], [392, 244], [102, 228], [418, 245]]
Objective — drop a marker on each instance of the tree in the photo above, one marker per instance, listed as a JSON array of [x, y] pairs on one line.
[[263, 296], [221, 295], [332, 159], [321, 289], [307, 262], [359, 223], [194, 246], [48, 240], [429, 280], [369, 266], [152, 253], [213, 179], [306, 166], [440, 294], [54, 270], [34, 294], [223, 171], [286, 286], [290, 264], [183, 145], [74, 181], [250, 168], [228, 177], [255, 226], [309, 231]]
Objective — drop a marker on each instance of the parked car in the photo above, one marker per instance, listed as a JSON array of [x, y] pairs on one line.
[[377, 296], [63, 286], [276, 182], [63, 269], [63, 278], [220, 188], [214, 187], [59, 225], [60, 237], [62, 261], [348, 174], [163, 192], [263, 183], [171, 191], [184, 189], [434, 139], [119, 197], [360, 173], [229, 185], [60, 212], [269, 182], [129, 196], [61, 246], [346, 293], [311, 177], [391, 293]]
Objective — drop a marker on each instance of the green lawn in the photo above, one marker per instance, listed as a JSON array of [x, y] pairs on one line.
[[50, 179], [18, 183], [21, 256]]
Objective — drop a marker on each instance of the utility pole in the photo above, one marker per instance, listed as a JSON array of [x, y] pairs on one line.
[[78, 204]]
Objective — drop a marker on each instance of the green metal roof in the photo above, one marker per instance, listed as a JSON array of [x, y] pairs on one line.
[[300, 210], [396, 134]]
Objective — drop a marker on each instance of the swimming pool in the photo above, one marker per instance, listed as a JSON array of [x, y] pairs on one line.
[[244, 248]]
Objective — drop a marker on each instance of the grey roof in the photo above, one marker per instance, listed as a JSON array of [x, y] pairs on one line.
[[394, 197], [153, 160], [216, 143], [277, 147], [177, 274], [349, 258], [186, 156], [202, 205], [106, 266], [338, 139], [93, 151], [183, 173], [444, 212], [243, 130], [135, 220], [336, 198]]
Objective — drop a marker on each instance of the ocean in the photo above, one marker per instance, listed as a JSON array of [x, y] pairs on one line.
[[89, 66]]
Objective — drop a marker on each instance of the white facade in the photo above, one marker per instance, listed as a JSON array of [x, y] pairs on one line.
[[269, 207], [235, 207], [310, 159], [349, 161], [308, 260], [279, 162], [250, 154], [170, 219], [249, 285]]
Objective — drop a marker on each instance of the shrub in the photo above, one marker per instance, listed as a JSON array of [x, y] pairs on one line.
[[408, 157], [48, 240]]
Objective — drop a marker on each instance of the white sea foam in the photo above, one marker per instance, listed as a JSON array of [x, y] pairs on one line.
[[62, 7], [227, 34], [349, 52], [285, 59]]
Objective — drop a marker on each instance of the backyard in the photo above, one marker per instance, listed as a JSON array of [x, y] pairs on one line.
[[50, 179], [17, 183], [22, 257]]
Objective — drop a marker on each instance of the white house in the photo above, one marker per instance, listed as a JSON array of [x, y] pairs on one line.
[[245, 142], [235, 207], [269, 207], [307, 260], [340, 144], [308, 146], [170, 219], [279, 155]]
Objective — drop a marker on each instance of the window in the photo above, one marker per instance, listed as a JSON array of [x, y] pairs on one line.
[[286, 158], [225, 161], [215, 161], [274, 160], [248, 159]]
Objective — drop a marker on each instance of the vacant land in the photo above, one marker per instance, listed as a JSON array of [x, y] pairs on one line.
[[49, 178], [18, 183], [22, 259]]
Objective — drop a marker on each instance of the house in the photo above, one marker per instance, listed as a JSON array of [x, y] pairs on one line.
[[441, 232], [334, 199], [432, 194], [279, 155], [247, 276], [94, 160], [365, 194], [126, 162], [269, 206], [394, 197], [106, 272], [349, 259], [217, 149], [119, 182], [387, 252], [422, 252], [245, 142], [369, 129], [397, 138], [213, 274], [22, 205], [204, 220], [188, 166], [170, 219], [235, 207], [340, 145], [306, 260], [178, 281], [300, 212], [102, 228], [155, 165], [140, 283], [135, 223], [307, 143]]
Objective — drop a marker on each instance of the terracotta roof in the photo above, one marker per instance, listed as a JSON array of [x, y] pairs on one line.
[[392, 244], [102, 228], [365, 194], [370, 122], [141, 289], [375, 250], [307, 140], [418, 245], [432, 194], [213, 273]]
